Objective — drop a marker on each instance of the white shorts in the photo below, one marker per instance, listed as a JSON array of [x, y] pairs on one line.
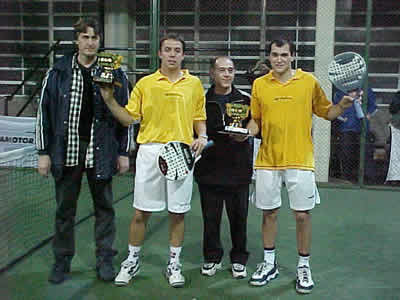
[[152, 191], [300, 184]]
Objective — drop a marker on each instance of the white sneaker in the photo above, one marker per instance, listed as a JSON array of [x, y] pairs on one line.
[[239, 271], [174, 275], [129, 269], [265, 272], [304, 282], [210, 268]]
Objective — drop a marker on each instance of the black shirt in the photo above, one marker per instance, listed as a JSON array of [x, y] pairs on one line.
[[86, 116]]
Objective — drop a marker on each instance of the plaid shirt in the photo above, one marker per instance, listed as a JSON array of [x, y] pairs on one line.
[[72, 153]]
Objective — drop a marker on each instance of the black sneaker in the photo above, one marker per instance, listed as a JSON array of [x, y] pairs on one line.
[[105, 269], [59, 271]]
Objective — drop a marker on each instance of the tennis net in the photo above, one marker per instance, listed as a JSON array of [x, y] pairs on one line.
[[27, 205]]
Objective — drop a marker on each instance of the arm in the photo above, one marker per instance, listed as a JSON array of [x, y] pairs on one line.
[[201, 131], [199, 119], [337, 109], [254, 127], [119, 112], [43, 129], [371, 104], [123, 134], [254, 124]]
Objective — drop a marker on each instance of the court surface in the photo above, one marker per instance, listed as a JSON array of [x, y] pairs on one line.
[[355, 255]]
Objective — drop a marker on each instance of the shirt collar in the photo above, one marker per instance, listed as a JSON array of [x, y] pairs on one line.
[[297, 75], [75, 64], [160, 76]]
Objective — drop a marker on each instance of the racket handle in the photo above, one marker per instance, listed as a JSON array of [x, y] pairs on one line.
[[209, 144], [359, 111]]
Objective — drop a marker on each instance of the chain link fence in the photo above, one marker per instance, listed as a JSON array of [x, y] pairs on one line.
[[243, 30]]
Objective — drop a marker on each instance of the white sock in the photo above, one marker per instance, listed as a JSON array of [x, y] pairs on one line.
[[134, 252], [304, 261], [269, 256], [174, 253]]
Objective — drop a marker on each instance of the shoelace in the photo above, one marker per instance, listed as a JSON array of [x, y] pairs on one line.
[[174, 267], [260, 268], [128, 263], [304, 274]]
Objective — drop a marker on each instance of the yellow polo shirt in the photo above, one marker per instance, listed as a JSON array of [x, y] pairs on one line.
[[285, 112], [166, 110]]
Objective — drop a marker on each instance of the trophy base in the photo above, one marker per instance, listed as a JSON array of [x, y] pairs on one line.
[[239, 130], [106, 81], [103, 80], [230, 130]]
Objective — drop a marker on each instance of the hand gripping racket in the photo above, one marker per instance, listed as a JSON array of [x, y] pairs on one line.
[[347, 72], [175, 160]]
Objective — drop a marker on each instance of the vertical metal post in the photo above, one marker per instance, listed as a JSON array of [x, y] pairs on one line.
[[154, 34], [364, 131], [263, 29], [197, 64], [6, 98]]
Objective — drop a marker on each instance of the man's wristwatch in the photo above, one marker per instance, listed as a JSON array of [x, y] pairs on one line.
[[204, 136]]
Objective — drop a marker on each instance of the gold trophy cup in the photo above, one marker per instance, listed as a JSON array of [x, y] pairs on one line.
[[106, 63], [237, 113]]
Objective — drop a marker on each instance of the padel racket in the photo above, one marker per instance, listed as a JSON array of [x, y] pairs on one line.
[[347, 72], [175, 160]]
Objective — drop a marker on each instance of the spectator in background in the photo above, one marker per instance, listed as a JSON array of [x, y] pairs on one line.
[[349, 132], [393, 149], [76, 134], [223, 174], [261, 68]]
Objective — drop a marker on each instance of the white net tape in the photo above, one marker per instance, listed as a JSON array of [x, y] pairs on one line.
[[23, 157]]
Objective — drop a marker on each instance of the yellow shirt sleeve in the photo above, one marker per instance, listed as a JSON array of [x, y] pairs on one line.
[[199, 110], [255, 103], [135, 103], [321, 104]]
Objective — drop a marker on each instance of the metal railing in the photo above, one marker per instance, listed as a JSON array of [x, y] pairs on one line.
[[10, 97]]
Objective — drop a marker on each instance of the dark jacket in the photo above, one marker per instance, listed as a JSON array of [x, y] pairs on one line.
[[110, 138], [227, 162]]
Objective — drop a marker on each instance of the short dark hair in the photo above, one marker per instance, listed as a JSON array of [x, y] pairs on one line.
[[281, 43], [173, 36], [213, 61], [82, 26]]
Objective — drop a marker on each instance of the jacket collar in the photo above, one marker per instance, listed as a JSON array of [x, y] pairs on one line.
[[65, 62], [68, 61], [211, 92]]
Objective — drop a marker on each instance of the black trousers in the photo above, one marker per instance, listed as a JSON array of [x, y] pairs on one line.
[[212, 203], [67, 194], [349, 154]]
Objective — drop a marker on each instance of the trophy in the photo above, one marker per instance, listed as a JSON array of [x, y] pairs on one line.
[[106, 63], [236, 114]]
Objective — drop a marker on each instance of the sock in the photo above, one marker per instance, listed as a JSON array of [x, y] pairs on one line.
[[134, 252], [304, 260], [269, 255], [174, 253]]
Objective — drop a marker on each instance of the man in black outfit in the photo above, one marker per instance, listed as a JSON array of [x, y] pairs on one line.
[[224, 173], [75, 134]]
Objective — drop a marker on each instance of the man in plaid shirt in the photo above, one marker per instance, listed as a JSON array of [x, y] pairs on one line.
[[75, 134]]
